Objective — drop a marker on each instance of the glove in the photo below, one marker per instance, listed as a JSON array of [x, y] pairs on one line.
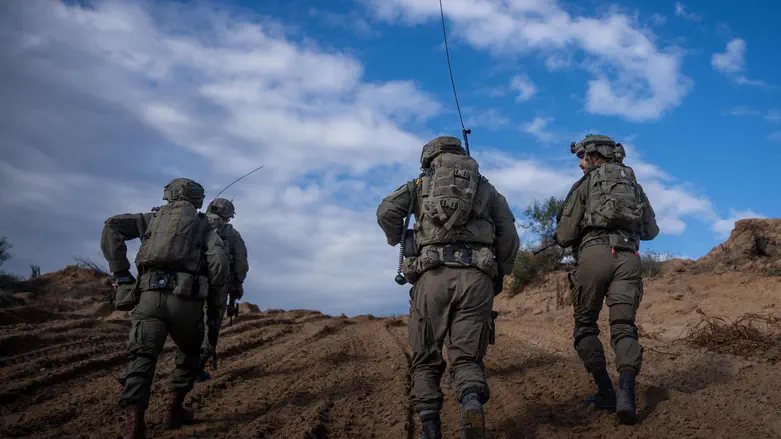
[[238, 291], [124, 284], [123, 278]]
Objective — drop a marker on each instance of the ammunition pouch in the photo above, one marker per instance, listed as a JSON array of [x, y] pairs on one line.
[[410, 245], [178, 283], [125, 297], [451, 255]]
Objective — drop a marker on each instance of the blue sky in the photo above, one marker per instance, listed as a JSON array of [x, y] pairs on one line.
[[107, 102]]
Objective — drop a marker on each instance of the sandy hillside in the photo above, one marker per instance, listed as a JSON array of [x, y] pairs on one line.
[[302, 374]]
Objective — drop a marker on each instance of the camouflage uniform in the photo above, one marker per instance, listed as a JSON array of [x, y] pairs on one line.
[[608, 268], [159, 312], [219, 209], [453, 293]]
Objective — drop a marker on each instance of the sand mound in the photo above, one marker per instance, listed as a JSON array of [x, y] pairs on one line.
[[753, 246]]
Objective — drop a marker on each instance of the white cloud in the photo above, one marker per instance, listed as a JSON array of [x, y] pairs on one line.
[[658, 19], [539, 129], [680, 11], [733, 59], [723, 227], [773, 116], [633, 78], [211, 101], [524, 86], [741, 111], [491, 118], [732, 62]]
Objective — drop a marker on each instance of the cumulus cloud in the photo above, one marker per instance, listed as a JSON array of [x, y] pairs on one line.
[[632, 77], [680, 11], [732, 62], [103, 105], [524, 86], [539, 129]]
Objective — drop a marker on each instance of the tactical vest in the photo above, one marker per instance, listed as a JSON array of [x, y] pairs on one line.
[[614, 200], [225, 232], [473, 224], [174, 239]]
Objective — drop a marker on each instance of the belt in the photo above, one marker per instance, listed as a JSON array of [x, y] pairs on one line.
[[596, 241]]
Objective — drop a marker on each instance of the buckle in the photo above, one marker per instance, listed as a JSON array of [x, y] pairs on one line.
[[458, 254], [161, 280]]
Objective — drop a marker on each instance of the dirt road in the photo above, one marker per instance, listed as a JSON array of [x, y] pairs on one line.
[[300, 374]]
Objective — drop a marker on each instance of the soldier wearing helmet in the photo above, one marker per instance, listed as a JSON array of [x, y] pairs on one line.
[[604, 217], [179, 260], [465, 240], [219, 213]]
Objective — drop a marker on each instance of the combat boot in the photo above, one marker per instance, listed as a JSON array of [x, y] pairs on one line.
[[177, 414], [605, 397], [135, 427], [625, 404], [431, 424], [472, 417]]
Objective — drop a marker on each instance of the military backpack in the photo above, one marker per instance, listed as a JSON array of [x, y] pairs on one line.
[[614, 199], [174, 239], [451, 190]]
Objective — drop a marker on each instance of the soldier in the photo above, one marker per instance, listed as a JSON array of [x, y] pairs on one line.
[[219, 213], [604, 217], [465, 239], [180, 258]]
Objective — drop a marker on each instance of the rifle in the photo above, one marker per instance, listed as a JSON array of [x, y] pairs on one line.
[[538, 251], [233, 309], [213, 357]]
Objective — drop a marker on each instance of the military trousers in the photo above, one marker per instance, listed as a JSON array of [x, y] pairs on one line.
[[452, 307], [157, 315], [214, 314], [616, 278]]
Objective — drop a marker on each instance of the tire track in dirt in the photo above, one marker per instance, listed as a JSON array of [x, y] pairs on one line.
[[285, 384], [403, 346], [60, 406]]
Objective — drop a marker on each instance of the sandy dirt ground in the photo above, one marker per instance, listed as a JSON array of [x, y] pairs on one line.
[[302, 374]]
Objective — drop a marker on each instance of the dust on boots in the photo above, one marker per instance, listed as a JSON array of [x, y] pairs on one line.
[[472, 417], [135, 427], [177, 414], [605, 396], [430, 421], [625, 400]]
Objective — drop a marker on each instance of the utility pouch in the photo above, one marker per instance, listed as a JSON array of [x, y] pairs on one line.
[[125, 298], [621, 243], [190, 285], [410, 246]]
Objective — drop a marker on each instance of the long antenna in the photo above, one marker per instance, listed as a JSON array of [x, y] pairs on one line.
[[235, 181], [452, 81]]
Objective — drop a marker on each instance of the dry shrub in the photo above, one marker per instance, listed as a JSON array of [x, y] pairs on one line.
[[745, 336]]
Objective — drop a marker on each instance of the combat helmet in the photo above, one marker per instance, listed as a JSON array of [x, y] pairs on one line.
[[620, 153], [186, 190], [222, 207], [438, 146], [603, 145]]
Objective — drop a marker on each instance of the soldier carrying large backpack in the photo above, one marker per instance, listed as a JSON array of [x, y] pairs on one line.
[[219, 213], [465, 238], [604, 218], [180, 258]]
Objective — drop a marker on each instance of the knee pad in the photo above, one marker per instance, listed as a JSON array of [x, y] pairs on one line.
[[620, 329], [582, 331]]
